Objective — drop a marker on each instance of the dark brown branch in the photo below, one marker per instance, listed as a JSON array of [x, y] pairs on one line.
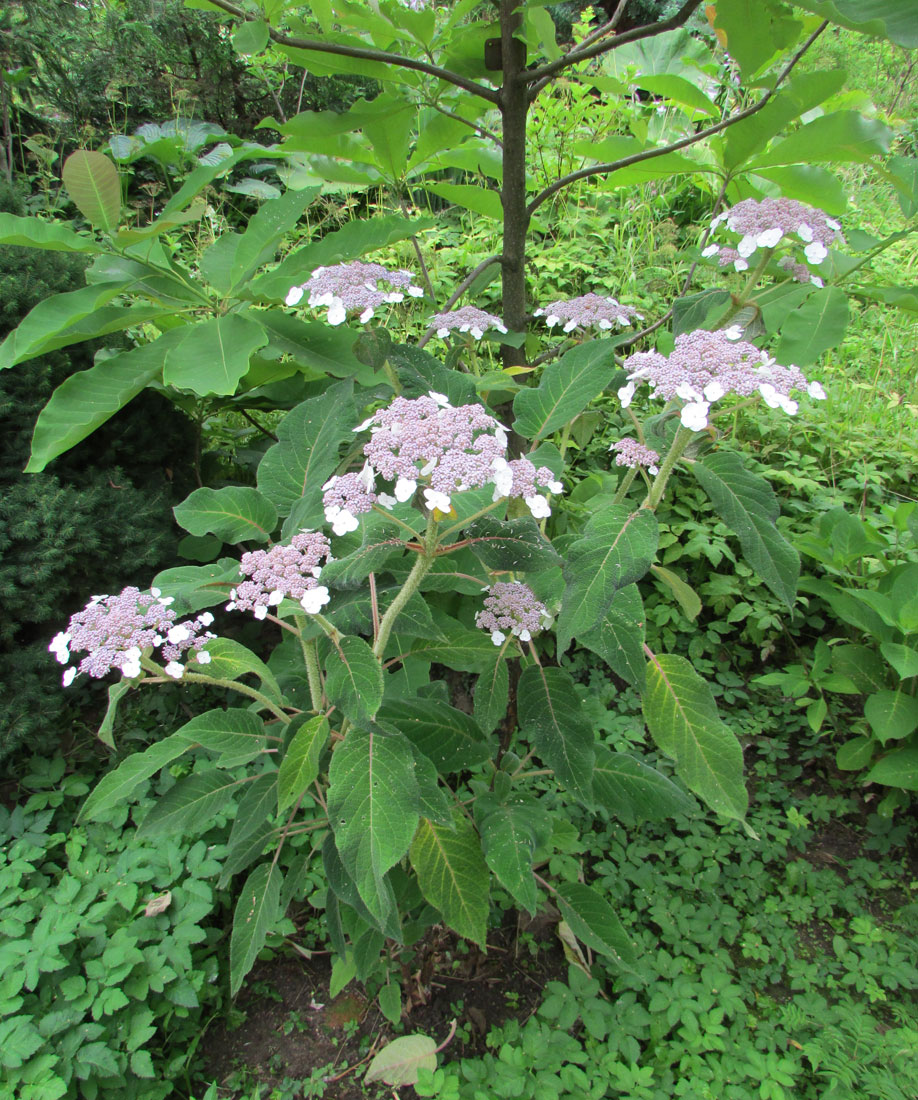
[[251, 419], [542, 74], [693, 139], [362, 53]]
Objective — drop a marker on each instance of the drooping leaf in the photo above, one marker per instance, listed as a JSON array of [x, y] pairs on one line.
[[551, 717], [862, 666], [300, 765], [256, 913], [372, 809], [892, 715], [633, 791], [230, 660], [616, 550], [903, 658], [316, 346], [747, 504], [492, 693], [256, 810], [398, 1062], [92, 182], [480, 200], [897, 769], [213, 355], [686, 596], [106, 730], [354, 679], [35, 233], [755, 32], [892, 19], [235, 513], [464, 650], [193, 800], [836, 137], [508, 838], [682, 717], [344, 888], [447, 736], [515, 544], [306, 453], [595, 923], [251, 37], [194, 587], [565, 388], [453, 875], [118, 785], [432, 802], [618, 637]]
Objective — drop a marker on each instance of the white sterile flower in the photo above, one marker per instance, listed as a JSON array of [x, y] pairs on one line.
[[695, 415], [260, 611], [769, 395], [551, 320], [178, 633], [503, 478], [69, 676], [174, 669], [165, 601], [833, 224], [687, 392], [386, 501], [714, 391], [205, 618], [58, 646], [394, 297], [497, 638], [626, 393], [555, 487], [315, 599], [711, 250], [525, 636], [130, 662], [740, 265], [816, 391], [815, 252], [734, 332], [294, 296], [442, 333], [816, 281], [474, 330], [336, 312], [342, 522], [746, 247], [434, 499], [440, 398], [405, 489], [156, 591], [203, 657], [415, 292], [805, 232], [570, 326], [769, 238], [366, 315], [275, 597], [538, 506]]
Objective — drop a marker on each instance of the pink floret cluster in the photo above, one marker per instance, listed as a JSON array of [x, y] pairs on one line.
[[354, 288], [629, 452], [765, 223], [512, 608], [116, 630], [286, 571], [588, 311], [468, 319]]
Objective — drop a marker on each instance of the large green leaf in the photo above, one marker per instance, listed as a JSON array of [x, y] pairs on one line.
[[903, 658], [257, 911], [747, 504], [306, 453], [509, 833], [814, 327], [197, 586], [565, 388], [237, 736], [35, 233], [755, 31], [682, 717], [235, 257], [84, 401], [897, 769], [634, 791], [372, 809], [231, 660], [380, 540], [492, 689], [255, 814], [616, 550], [91, 180], [447, 736], [300, 765], [190, 804], [235, 513], [594, 922], [340, 246], [45, 327], [399, 1061], [214, 354], [892, 19], [480, 200], [344, 888], [453, 875], [316, 346], [892, 715], [464, 650], [515, 544], [618, 637], [118, 785], [837, 137], [354, 679], [551, 717]]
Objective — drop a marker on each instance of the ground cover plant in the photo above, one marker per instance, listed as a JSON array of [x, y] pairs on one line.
[[430, 534]]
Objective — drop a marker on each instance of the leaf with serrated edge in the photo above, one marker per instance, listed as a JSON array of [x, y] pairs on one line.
[[300, 765], [510, 544], [747, 504], [256, 914], [118, 785], [235, 513], [399, 1061], [633, 791], [594, 922], [189, 804], [682, 717], [354, 679], [453, 876], [372, 808], [551, 718], [508, 837], [492, 691], [892, 715], [237, 735], [618, 637], [445, 734], [565, 388]]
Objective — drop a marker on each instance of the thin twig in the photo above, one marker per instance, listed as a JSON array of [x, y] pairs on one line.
[[251, 419], [459, 291], [482, 131]]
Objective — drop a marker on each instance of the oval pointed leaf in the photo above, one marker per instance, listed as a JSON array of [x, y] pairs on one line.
[[190, 804], [447, 736], [892, 715], [92, 182], [118, 785], [237, 736], [492, 691], [453, 876], [257, 911], [399, 1061], [903, 659], [235, 513], [231, 659], [814, 327], [300, 765], [897, 769], [633, 791], [354, 679], [51, 236], [508, 837], [213, 355], [747, 504], [594, 922], [565, 389], [682, 717], [551, 718], [516, 544], [618, 637]]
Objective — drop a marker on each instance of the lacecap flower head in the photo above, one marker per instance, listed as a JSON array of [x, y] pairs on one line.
[[629, 452], [512, 608], [115, 631], [765, 223], [588, 311], [444, 449], [706, 366], [354, 288], [467, 319], [286, 571]]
